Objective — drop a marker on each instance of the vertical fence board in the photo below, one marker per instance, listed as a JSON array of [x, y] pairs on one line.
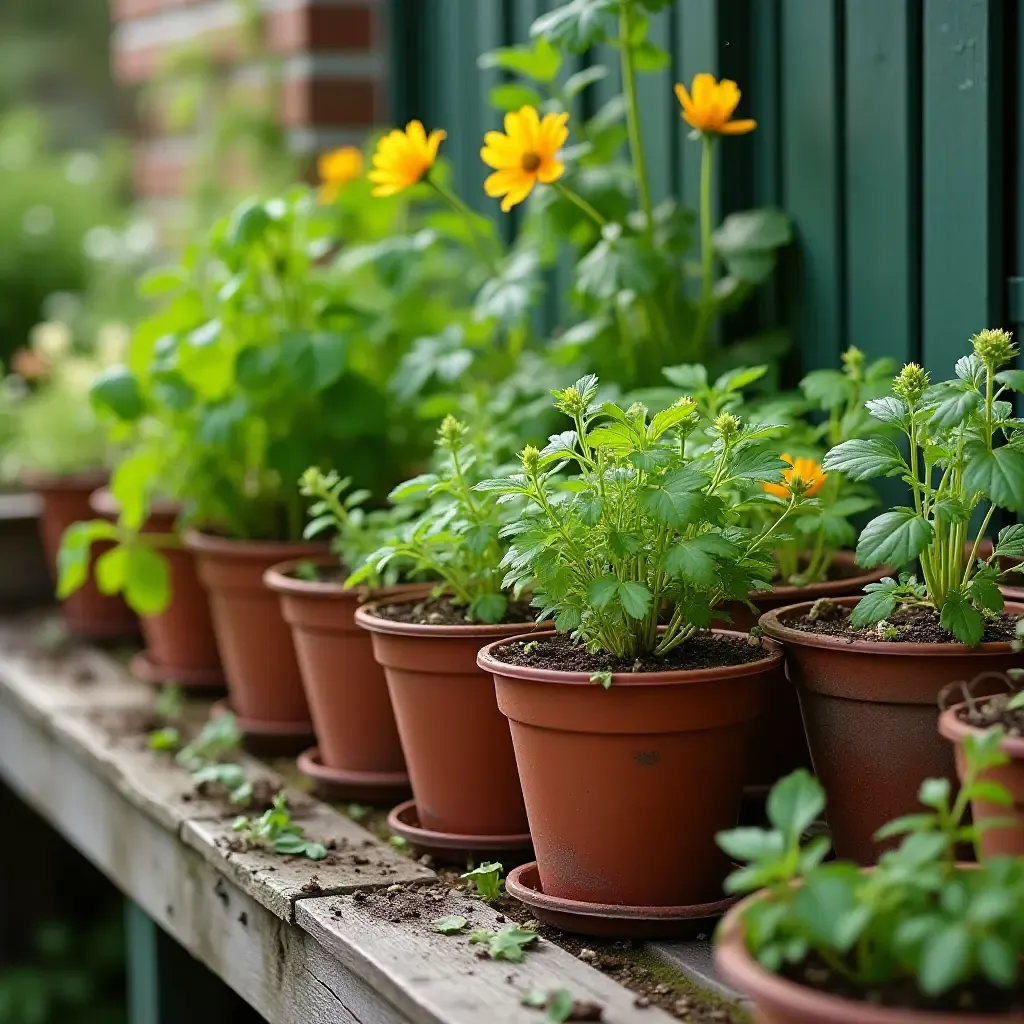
[[812, 173], [882, 185], [658, 112], [962, 163], [696, 26]]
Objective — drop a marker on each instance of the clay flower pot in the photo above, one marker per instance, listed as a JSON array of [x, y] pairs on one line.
[[345, 687], [778, 1000], [255, 643], [462, 767], [777, 743], [88, 614], [999, 841], [869, 711], [626, 787], [180, 643]]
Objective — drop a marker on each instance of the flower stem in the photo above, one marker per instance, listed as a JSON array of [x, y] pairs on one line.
[[575, 197], [471, 221], [707, 253], [636, 141]]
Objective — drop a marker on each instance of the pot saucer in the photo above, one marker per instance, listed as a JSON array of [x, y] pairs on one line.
[[347, 784], [267, 736], [611, 920], [143, 667], [451, 847]]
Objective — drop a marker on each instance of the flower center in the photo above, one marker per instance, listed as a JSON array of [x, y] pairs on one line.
[[531, 162]]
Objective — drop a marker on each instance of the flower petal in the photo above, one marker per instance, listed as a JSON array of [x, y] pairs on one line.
[[738, 127], [517, 195], [684, 98], [501, 182], [550, 171]]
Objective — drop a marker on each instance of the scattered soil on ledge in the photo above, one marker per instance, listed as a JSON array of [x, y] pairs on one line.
[[989, 711], [913, 625], [355, 855], [561, 653], [970, 1001], [443, 611]]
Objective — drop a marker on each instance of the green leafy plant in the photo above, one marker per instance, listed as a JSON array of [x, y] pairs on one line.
[[274, 829], [451, 925], [165, 739], [487, 879], [220, 735], [231, 776], [457, 538], [955, 467], [558, 1005], [919, 915], [509, 943], [644, 523]]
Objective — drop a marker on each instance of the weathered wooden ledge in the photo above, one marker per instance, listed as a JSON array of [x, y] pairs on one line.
[[297, 948]]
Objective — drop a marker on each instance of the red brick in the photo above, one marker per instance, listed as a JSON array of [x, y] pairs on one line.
[[316, 29], [331, 102]]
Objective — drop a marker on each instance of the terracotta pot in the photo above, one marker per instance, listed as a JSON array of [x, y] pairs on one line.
[[87, 613], [346, 689], [778, 1000], [778, 745], [1000, 841], [24, 573], [462, 767], [869, 710], [626, 787], [180, 642], [255, 642]]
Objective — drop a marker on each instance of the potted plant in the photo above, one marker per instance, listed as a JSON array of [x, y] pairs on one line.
[[973, 717], [457, 745], [869, 670], [358, 754], [630, 557], [919, 938]]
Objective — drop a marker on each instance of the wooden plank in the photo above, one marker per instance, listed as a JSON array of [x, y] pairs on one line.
[[355, 860], [812, 173], [882, 172], [962, 175], [432, 977]]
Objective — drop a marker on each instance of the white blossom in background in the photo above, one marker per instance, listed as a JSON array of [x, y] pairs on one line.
[[140, 239], [37, 220], [51, 339], [81, 167], [62, 306], [101, 244], [112, 340]]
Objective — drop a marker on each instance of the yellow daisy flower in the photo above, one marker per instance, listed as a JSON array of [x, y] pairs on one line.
[[806, 470], [403, 158], [337, 169], [709, 106], [525, 154]]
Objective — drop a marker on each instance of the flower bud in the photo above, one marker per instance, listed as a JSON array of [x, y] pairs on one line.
[[994, 348], [530, 457], [452, 432], [726, 424], [569, 401], [853, 362], [910, 383]]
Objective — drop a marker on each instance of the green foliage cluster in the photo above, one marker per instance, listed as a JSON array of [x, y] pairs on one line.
[[487, 879], [274, 829], [919, 915]]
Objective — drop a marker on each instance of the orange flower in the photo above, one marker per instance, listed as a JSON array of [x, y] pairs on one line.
[[526, 153], [337, 169], [709, 106], [807, 471], [29, 365], [403, 158]]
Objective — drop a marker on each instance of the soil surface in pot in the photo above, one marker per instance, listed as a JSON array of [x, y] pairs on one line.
[[443, 611], [560, 653], [913, 625], [970, 1000], [994, 711]]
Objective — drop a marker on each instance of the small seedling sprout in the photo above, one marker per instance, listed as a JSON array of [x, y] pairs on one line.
[[487, 878]]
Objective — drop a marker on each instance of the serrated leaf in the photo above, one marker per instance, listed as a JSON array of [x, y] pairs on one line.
[[944, 959], [1011, 541], [865, 458], [794, 803], [635, 599], [872, 608], [962, 619], [451, 925], [998, 474], [689, 560], [894, 538]]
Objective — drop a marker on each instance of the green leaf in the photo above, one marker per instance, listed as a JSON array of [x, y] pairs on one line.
[[826, 388], [1011, 540], [934, 793], [488, 608], [673, 508], [895, 538], [689, 560], [560, 1006], [451, 925], [617, 263], [984, 589], [944, 959], [512, 96], [748, 231], [872, 608], [794, 803], [73, 558], [689, 377], [577, 25], [601, 592], [751, 844], [510, 943], [962, 619], [1013, 379], [147, 580], [635, 599], [603, 678], [865, 458], [540, 62], [161, 281], [575, 84], [116, 389], [248, 224], [998, 474], [998, 959], [739, 378], [112, 569], [822, 903]]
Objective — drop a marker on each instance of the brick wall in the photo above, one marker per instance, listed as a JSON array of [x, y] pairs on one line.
[[332, 63]]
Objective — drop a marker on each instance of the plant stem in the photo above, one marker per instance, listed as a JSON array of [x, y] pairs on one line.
[[977, 544], [575, 197], [470, 218], [636, 142]]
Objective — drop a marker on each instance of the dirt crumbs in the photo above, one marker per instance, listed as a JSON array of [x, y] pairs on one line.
[[561, 653], [906, 625], [988, 711], [443, 611]]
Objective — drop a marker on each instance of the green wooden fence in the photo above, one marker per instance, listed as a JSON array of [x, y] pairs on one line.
[[886, 130]]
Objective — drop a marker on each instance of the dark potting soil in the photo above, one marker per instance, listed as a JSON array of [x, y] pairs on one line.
[[914, 625], [971, 1000], [443, 611], [560, 653], [988, 711]]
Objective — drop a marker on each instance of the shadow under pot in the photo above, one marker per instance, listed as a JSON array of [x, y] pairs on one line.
[[777, 743], [462, 767], [88, 613], [180, 644], [24, 574], [870, 710], [626, 787], [347, 693], [1005, 840], [255, 642]]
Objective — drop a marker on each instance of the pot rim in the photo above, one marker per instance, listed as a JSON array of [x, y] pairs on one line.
[[229, 547], [103, 503], [828, 588], [378, 624], [278, 579], [741, 969], [83, 480], [777, 630], [486, 660], [955, 729]]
